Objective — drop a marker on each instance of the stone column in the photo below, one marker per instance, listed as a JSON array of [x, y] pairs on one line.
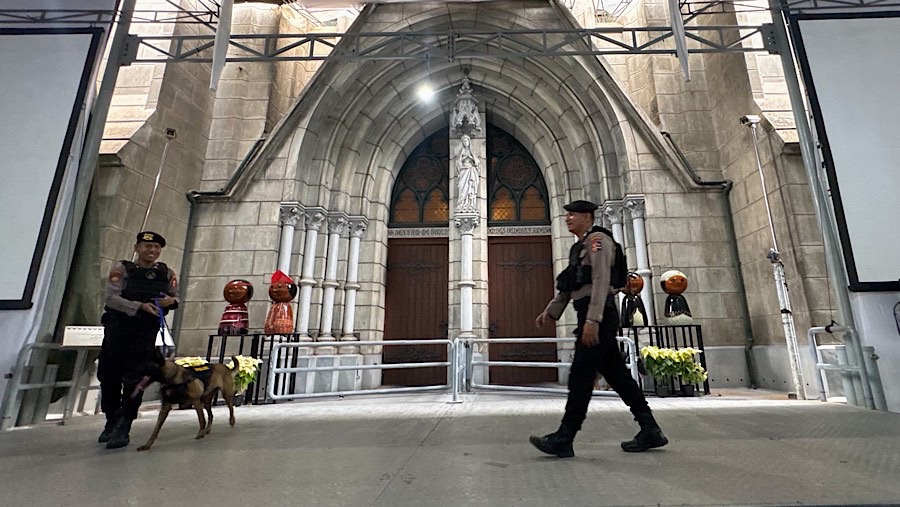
[[635, 205], [291, 215], [358, 226], [467, 222], [612, 213], [336, 223], [315, 217]]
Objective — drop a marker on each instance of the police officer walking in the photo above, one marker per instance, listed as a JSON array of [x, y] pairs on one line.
[[591, 281], [138, 295]]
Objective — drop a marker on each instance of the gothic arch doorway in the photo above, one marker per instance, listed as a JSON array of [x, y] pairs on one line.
[[416, 297], [520, 261], [520, 277]]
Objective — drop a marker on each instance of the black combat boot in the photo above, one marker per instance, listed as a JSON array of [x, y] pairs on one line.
[[119, 437], [558, 443], [649, 437], [107, 430]]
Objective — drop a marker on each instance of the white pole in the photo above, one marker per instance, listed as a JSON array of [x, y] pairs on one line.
[[781, 288], [358, 226]]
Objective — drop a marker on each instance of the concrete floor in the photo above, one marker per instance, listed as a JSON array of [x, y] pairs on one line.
[[413, 450]]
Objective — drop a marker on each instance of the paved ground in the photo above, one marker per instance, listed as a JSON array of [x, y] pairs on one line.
[[420, 450]]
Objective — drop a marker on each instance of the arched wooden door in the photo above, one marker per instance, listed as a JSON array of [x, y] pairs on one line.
[[520, 267], [416, 290]]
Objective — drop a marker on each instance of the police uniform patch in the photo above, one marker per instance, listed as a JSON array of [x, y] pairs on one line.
[[596, 245], [115, 276], [174, 282], [147, 236]]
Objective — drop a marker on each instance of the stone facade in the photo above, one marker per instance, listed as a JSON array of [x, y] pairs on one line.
[[334, 135]]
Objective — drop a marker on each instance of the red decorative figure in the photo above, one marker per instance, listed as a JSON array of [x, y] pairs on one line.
[[236, 320], [280, 319]]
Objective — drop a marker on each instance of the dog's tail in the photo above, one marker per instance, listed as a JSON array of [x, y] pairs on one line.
[[235, 366]]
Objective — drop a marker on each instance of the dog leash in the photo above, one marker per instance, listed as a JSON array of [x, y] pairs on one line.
[[162, 327]]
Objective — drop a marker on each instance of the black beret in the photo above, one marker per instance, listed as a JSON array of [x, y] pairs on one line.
[[151, 237], [581, 207]]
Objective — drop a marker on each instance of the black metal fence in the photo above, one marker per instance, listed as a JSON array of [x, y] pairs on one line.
[[258, 346], [672, 337]]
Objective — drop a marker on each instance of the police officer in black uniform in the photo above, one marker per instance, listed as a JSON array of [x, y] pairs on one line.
[[588, 283], [136, 293]]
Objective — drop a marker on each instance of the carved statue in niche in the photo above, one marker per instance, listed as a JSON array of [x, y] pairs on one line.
[[468, 176], [677, 311], [236, 320], [280, 319], [633, 312]]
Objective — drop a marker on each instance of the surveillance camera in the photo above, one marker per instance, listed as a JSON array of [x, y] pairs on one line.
[[170, 133], [750, 119]]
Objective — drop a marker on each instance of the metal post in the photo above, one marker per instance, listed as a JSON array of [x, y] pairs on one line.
[[170, 134], [781, 288], [820, 199]]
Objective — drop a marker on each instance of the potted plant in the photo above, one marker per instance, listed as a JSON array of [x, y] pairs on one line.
[[663, 364]]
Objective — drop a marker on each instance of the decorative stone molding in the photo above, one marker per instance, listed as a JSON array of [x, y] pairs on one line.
[[519, 230], [358, 225], [291, 213], [336, 222], [635, 205], [612, 211], [419, 232], [467, 223], [315, 217], [464, 117]]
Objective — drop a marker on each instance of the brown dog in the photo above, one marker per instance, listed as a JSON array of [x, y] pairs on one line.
[[194, 387]]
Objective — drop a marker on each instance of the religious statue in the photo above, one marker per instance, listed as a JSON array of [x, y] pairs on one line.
[[468, 176], [633, 312], [236, 320], [677, 311], [280, 319]]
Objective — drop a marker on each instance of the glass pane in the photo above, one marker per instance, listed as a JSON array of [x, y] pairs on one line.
[[503, 208], [437, 209], [406, 209], [532, 206]]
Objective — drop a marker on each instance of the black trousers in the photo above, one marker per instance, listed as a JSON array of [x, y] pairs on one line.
[[127, 354], [604, 358]]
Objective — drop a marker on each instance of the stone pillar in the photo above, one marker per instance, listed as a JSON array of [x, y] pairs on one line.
[[336, 223], [612, 213], [358, 226], [635, 205], [467, 222], [315, 217], [291, 215]]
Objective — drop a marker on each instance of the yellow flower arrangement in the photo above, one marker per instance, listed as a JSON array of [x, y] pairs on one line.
[[662, 363]]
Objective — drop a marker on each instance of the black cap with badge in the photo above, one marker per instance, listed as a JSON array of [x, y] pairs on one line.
[[151, 237], [581, 207]]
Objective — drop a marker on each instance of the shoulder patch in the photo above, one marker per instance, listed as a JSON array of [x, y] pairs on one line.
[[115, 275], [173, 282], [596, 244]]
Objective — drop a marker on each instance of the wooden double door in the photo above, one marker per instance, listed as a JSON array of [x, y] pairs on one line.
[[520, 281]]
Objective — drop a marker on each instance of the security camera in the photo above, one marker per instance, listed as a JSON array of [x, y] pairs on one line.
[[750, 119], [170, 133]]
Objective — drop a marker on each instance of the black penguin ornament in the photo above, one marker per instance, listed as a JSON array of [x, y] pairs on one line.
[[633, 312], [677, 312]]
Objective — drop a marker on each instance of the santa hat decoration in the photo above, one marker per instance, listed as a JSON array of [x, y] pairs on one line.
[[280, 277]]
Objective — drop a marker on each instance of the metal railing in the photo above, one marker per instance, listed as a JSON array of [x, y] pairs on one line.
[[672, 337], [851, 375], [276, 368], [36, 411], [463, 345]]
